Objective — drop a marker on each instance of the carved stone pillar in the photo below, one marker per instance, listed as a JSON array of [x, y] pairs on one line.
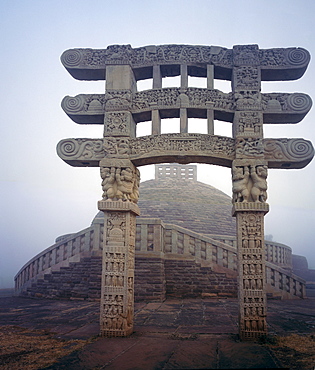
[[249, 175], [248, 153], [120, 192], [120, 184], [251, 269]]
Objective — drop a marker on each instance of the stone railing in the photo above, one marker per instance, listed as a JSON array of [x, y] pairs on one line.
[[68, 248], [154, 238], [277, 253], [284, 283]]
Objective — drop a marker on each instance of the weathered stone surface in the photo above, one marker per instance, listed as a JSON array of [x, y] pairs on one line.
[[183, 148], [276, 64], [247, 154], [276, 107], [71, 269], [187, 203]]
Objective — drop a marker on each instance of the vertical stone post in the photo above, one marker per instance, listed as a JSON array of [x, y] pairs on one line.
[[117, 291], [210, 111], [249, 175], [120, 194]]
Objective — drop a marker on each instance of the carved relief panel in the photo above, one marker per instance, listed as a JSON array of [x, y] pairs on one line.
[[121, 180], [117, 300], [119, 123], [249, 181], [252, 298]]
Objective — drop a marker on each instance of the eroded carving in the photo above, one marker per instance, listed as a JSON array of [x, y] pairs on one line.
[[118, 99], [183, 143], [149, 55], [249, 183], [117, 123], [248, 124], [116, 147], [249, 152], [81, 148], [247, 77], [120, 181], [248, 100], [288, 151], [246, 55], [249, 148]]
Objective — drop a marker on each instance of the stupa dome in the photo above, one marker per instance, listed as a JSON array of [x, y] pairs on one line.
[[176, 197]]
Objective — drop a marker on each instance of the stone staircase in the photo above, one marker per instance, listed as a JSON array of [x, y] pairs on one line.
[[170, 261]]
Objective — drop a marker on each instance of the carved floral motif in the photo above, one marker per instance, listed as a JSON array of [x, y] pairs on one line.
[[116, 123]]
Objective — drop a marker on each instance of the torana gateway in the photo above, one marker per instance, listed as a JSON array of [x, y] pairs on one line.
[[248, 153]]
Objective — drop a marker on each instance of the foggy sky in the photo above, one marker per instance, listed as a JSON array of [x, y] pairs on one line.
[[41, 196]]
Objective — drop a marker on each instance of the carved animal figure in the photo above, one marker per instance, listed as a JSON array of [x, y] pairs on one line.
[[240, 184], [259, 188], [125, 183], [108, 183]]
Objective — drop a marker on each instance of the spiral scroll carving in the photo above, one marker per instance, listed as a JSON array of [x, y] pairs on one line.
[[73, 104], [72, 58], [292, 149], [298, 56], [68, 148], [298, 148], [299, 102], [81, 149]]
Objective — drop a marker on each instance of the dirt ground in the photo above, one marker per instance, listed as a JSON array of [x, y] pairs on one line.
[[173, 334], [35, 349], [32, 349], [294, 352]]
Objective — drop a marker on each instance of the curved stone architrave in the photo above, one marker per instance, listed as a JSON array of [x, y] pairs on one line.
[[276, 64], [182, 148], [249, 154], [90, 108], [186, 148]]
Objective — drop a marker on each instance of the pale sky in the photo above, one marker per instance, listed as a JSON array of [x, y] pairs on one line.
[[42, 197]]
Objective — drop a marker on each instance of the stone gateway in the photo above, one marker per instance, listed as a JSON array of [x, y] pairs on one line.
[[120, 152]]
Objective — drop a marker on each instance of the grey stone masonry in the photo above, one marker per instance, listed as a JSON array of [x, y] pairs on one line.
[[247, 153]]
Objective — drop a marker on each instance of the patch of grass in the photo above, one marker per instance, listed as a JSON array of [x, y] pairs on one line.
[[32, 349], [296, 352]]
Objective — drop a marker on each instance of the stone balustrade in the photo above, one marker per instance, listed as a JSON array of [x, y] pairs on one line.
[[287, 284], [156, 239], [67, 249]]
